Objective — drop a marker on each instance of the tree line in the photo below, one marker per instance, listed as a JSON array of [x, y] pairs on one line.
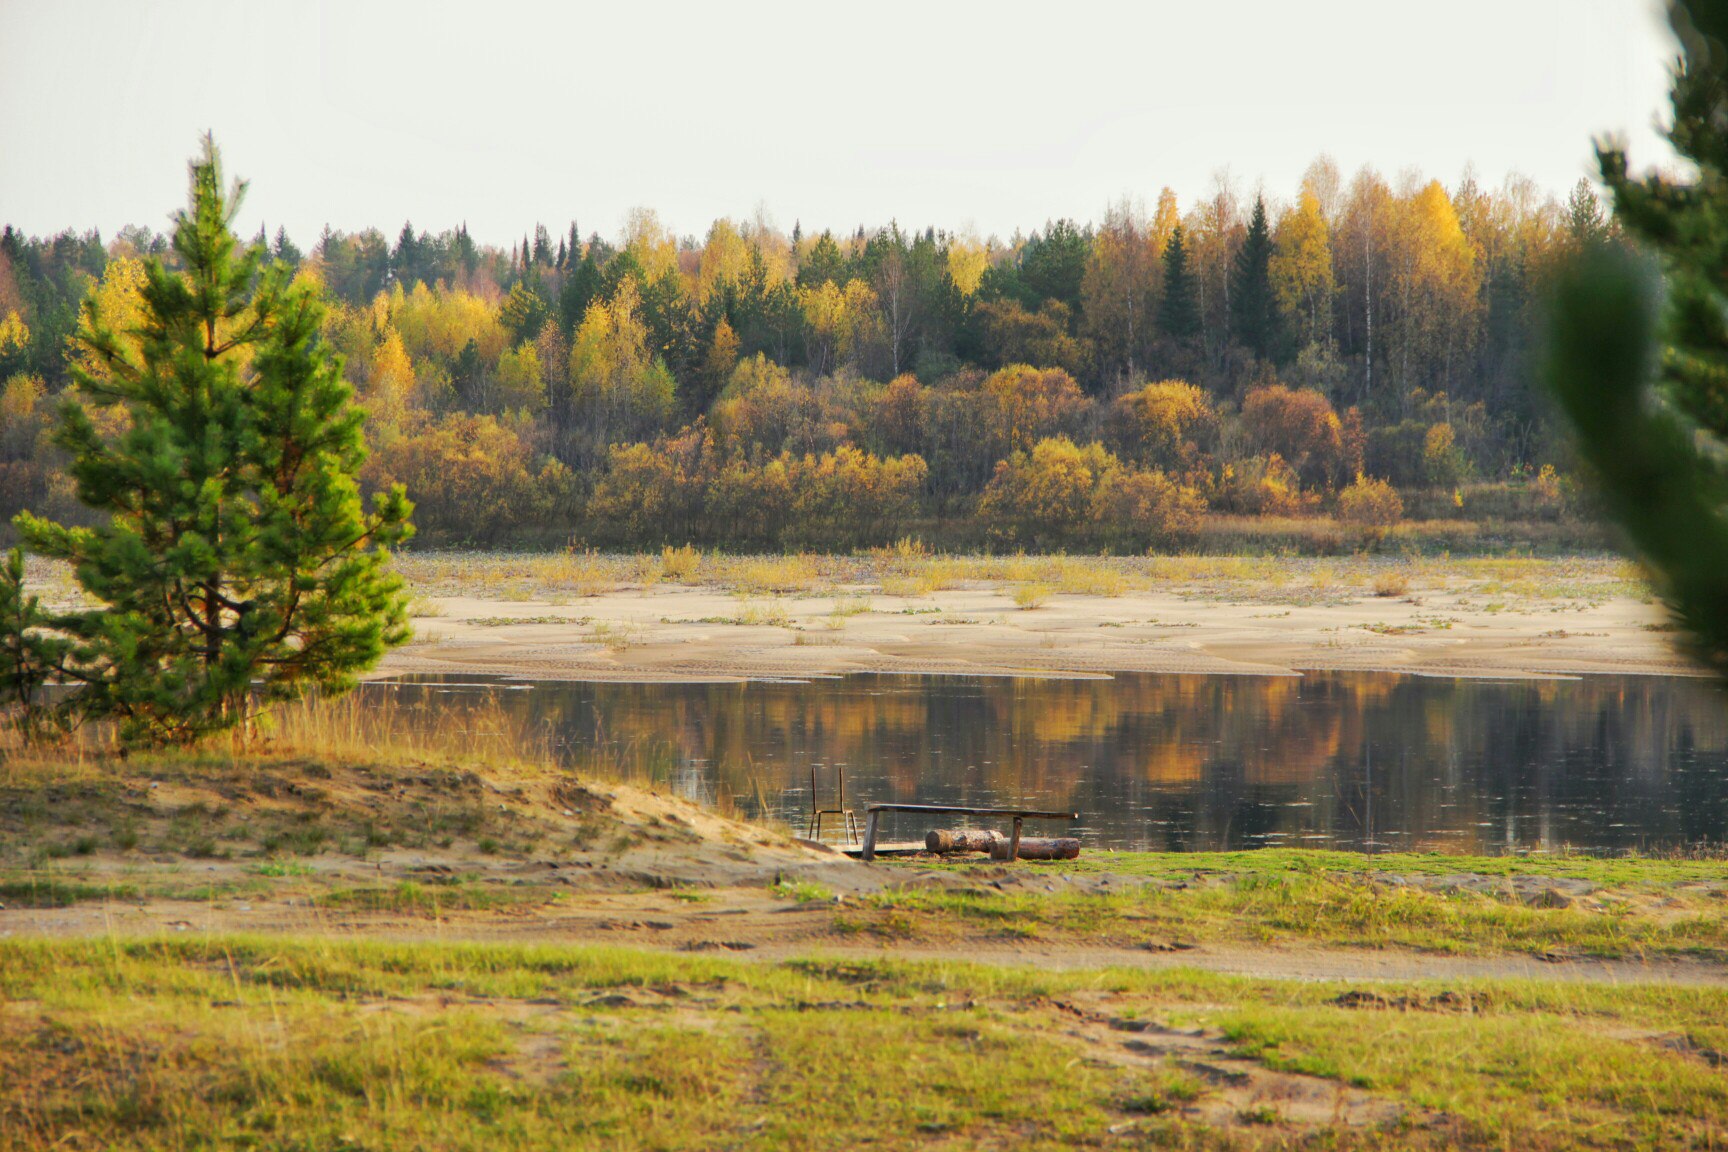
[[1101, 385]]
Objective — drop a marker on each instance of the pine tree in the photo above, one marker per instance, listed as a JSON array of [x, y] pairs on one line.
[[234, 564], [31, 654], [1584, 218], [1652, 421], [1254, 318], [286, 250], [523, 312], [1179, 310], [466, 252], [405, 261], [581, 288]]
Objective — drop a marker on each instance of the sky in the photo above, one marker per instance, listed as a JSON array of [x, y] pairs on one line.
[[987, 117]]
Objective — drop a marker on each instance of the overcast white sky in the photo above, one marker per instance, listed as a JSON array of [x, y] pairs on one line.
[[990, 115]]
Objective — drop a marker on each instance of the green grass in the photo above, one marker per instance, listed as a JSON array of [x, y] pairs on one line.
[[1606, 870], [322, 1044], [1255, 911], [1634, 907]]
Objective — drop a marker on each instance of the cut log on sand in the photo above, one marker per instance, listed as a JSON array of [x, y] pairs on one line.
[[1038, 848], [945, 841]]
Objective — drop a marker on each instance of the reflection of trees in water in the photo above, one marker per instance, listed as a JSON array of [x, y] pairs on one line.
[[1192, 761]]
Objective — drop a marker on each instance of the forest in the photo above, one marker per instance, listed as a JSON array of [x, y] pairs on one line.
[[1356, 355]]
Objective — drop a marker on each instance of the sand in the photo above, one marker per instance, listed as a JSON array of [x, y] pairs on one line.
[[703, 633]]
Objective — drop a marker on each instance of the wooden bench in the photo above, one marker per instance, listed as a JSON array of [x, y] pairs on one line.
[[1019, 814]]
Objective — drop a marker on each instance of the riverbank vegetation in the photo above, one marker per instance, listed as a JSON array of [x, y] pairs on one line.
[[371, 822], [1310, 371]]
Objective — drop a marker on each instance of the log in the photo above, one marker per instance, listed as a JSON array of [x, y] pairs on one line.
[[945, 841], [1039, 848]]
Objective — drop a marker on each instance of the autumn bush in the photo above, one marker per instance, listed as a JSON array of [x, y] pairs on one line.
[[649, 492], [1061, 493], [1298, 425], [1265, 486], [1371, 506], [1023, 405], [763, 412], [463, 463], [1166, 425], [684, 489], [1135, 508], [848, 498]]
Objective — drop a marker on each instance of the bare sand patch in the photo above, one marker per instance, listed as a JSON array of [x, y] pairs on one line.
[[705, 633]]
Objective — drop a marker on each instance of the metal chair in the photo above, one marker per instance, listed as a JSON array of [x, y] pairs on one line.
[[849, 823]]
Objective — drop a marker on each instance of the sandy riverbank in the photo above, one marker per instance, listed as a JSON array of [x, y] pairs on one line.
[[1555, 618]]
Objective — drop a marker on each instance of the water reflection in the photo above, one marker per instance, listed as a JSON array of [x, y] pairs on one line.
[[1355, 760]]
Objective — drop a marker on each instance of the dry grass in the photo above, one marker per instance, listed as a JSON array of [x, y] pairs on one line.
[[759, 574], [772, 614], [909, 571], [1391, 583], [616, 636], [680, 564]]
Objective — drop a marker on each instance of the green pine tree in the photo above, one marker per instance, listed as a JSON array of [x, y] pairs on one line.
[[1254, 317], [1642, 373], [1584, 217], [580, 289], [523, 312], [235, 563], [1179, 310], [31, 653]]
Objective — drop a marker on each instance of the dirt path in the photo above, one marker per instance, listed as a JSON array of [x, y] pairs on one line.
[[749, 924]]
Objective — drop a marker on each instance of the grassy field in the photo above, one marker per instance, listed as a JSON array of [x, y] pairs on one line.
[[308, 1044]]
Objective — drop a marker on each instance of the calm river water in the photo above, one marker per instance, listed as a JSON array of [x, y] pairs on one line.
[[1367, 761]]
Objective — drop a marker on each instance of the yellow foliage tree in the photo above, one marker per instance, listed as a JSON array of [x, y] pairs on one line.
[[838, 320], [725, 259], [521, 386], [618, 389], [390, 385], [1120, 288], [968, 259], [650, 243], [1435, 289], [439, 322], [14, 335], [1301, 268], [118, 306], [763, 412], [1165, 217], [722, 355]]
